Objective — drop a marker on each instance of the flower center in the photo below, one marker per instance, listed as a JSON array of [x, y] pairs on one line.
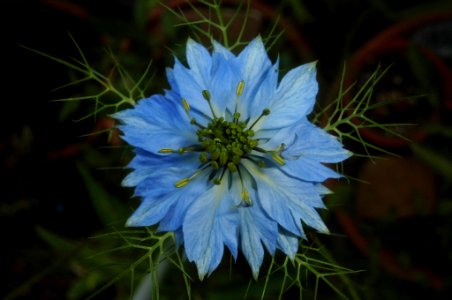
[[225, 143]]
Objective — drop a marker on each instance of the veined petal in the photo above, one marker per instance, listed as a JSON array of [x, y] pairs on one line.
[[156, 123], [287, 200], [203, 233], [146, 164], [223, 85], [307, 169], [255, 229], [294, 98], [316, 144], [190, 89], [162, 197], [219, 48], [288, 243], [200, 62], [254, 65]]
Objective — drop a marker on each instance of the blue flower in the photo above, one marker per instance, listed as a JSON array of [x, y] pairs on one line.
[[228, 157]]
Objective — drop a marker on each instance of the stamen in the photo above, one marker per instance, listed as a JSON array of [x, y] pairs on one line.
[[246, 197], [181, 150], [194, 122], [167, 150], [217, 181], [186, 106], [238, 93], [245, 193], [206, 96], [277, 157], [265, 112], [240, 87], [184, 181]]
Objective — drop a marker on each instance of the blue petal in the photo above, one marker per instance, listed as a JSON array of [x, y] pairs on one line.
[[316, 144], [255, 229], [307, 146], [223, 85], [309, 170], [288, 243], [219, 48], [272, 198], [156, 123], [200, 62], [204, 227], [161, 198], [294, 98], [190, 88], [287, 200], [258, 74], [146, 164], [172, 81]]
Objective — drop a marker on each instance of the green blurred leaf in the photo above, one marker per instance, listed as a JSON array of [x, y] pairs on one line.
[[62, 245], [434, 159], [109, 208]]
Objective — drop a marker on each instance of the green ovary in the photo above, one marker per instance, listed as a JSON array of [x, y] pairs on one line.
[[225, 143]]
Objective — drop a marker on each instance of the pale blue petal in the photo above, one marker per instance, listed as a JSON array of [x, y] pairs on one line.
[[229, 228], [273, 138], [307, 214], [161, 197], [199, 61], [288, 243], [307, 169], [272, 198], [174, 219], [190, 89], [254, 65], [172, 81], [323, 190], [146, 164], [202, 228], [223, 85], [315, 143], [294, 98], [156, 123], [255, 229], [260, 95], [228, 55], [287, 200]]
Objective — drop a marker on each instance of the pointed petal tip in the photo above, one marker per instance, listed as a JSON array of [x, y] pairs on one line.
[[131, 222], [324, 230], [256, 275], [201, 276], [134, 221]]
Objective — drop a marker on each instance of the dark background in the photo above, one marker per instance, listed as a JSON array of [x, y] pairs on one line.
[[397, 228]]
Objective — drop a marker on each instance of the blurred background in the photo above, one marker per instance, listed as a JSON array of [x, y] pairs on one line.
[[61, 184]]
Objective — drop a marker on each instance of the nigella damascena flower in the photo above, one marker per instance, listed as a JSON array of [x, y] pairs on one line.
[[227, 156]]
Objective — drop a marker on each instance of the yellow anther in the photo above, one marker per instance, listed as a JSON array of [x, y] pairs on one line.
[[166, 150], [186, 105], [276, 157], [246, 197], [182, 182], [240, 87]]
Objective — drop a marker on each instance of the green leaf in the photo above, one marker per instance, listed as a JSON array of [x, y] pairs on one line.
[[437, 161], [109, 208]]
